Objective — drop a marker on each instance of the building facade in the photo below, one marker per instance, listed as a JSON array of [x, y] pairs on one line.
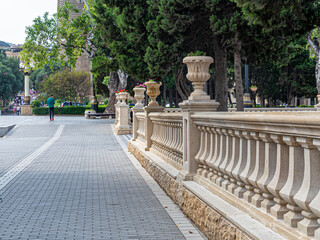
[[83, 61]]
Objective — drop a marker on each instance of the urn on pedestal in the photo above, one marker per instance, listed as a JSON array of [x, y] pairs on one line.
[[153, 91], [139, 96], [198, 74]]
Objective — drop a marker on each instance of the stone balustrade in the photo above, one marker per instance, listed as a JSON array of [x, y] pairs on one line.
[[267, 160], [167, 139], [270, 160], [220, 167], [140, 133], [302, 109]]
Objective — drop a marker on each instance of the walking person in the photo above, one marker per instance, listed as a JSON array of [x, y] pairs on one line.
[[51, 102], [18, 110]]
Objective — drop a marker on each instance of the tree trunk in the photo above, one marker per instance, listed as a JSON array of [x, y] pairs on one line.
[[171, 97], [315, 45], [211, 86], [176, 100], [178, 88], [183, 83], [164, 94], [237, 74], [221, 89], [318, 71], [118, 80]]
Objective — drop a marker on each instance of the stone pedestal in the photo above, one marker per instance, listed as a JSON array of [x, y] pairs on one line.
[[148, 124], [191, 135], [318, 105], [247, 100], [26, 110], [123, 126]]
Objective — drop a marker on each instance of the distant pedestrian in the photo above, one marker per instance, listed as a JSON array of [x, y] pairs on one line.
[[51, 103], [18, 110]]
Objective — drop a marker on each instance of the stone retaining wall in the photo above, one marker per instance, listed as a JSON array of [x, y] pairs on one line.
[[210, 222]]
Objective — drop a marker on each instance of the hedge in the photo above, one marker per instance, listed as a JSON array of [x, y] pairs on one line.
[[64, 110]]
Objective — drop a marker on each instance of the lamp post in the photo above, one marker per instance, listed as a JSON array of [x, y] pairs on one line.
[[246, 96], [254, 90], [26, 73], [26, 108]]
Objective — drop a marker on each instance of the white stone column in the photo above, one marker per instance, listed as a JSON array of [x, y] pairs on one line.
[[280, 177], [233, 162], [269, 170], [250, 165], [310, 186], [315, 204], [26, 89], [258, 169], [240, 189], [294, 181]]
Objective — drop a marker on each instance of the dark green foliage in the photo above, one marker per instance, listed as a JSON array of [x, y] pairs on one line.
[[40, 74], [36, 104], [72, 110], [122, 27], [11, 79]]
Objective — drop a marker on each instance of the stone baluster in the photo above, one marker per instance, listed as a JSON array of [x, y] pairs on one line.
[[233, 161], [226, 160], [201, 150], [258, 170], [269, 170], [222, 153], [310, 186], [239, 189], [315, 204], [280, 177], [206, 151], [212, 151], [250, 164], [180, 148], [204, 158], [294, 181]]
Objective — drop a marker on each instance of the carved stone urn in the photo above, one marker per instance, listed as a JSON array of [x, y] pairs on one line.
[[123, 97], [117, 98], [139, 95], [198, 74], [153, 92]]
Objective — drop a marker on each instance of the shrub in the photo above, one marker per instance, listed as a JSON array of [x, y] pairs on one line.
[[36, 104], [40, 111], [300, 106], [72, 110]]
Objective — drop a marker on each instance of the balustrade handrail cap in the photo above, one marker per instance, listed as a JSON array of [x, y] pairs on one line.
[[306, 118]]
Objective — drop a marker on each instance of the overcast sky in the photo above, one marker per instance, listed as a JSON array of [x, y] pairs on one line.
[[15, 15]]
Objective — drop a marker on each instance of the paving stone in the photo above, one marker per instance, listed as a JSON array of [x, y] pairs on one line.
[[82, 187]]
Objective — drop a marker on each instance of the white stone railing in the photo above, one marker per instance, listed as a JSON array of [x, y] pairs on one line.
[[167, 139], [141, 131], [171, 110], [302, 109], [270, 160]]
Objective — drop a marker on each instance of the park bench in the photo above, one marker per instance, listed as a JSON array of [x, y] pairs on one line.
[[94, 115]]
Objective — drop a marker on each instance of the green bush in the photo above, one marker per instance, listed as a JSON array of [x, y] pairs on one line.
[[72, 110], [36, 104], [60, 110], [300, 106], [106, 101], [40, 111]]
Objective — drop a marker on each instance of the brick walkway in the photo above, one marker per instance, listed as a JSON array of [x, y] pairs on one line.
[[71, 179]]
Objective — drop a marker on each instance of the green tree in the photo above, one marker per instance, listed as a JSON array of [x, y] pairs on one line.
[[38, 75], [60, 39], [314, 43], [67, 85], [11, 79]]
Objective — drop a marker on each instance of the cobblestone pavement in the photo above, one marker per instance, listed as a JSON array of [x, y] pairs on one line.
[[70, 179]]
